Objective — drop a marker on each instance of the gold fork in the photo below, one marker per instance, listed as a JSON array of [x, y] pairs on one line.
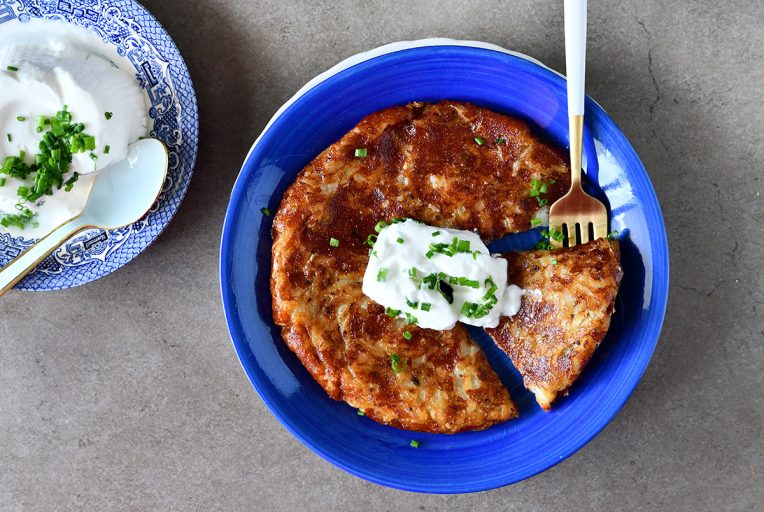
[[577, 215]]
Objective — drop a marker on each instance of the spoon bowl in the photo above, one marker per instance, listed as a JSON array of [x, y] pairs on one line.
[[124, 192], [121, 195]]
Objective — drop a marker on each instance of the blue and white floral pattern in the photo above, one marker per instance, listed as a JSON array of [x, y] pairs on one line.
[[160, 69]]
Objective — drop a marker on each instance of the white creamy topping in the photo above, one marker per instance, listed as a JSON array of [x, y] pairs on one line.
[[415, 269], [61, 64]]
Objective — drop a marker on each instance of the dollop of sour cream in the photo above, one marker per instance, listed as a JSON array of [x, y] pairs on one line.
[[436, 277], [46, 66]]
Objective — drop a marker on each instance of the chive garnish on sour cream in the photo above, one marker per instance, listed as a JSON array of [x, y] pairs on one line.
[[51, 163], [435, 283]]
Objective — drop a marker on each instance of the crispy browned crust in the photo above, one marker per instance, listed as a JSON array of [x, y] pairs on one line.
[[555, 334], [423, 162]]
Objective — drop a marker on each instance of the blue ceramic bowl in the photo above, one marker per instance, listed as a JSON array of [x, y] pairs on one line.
[[322, 113], [160, 69]]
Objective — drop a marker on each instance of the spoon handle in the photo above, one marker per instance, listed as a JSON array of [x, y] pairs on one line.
[[20, 266]]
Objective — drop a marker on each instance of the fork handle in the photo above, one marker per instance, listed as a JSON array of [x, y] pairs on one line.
[[575, 65]]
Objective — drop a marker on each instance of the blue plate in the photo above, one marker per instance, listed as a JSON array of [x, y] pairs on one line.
[[322, 113], [160, 69]]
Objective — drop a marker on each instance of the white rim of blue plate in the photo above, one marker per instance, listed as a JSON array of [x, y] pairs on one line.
[[160, 69]]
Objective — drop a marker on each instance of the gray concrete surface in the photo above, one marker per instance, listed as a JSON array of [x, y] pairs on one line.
[[141, 404]]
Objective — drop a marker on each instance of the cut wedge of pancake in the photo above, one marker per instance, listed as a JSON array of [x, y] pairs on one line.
[[564, 314]]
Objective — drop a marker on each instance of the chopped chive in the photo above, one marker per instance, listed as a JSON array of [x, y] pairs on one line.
[[371, 240], [479, 141], [446, 291], [106, 149], [407, 335], [411, 319], [2, 182], [334, 242], [21, 118], [70, 182], [500, 140], [543, 188], [108, 115], [382, 275], [361, 412], [266, 211], [435, 233], [395, 362], [400, 240], [392, 313], [12, 68], [552, 182], [412, 272], [415, 444], [425, 306], [553, 261], [542, 201], [9, 137], [93, 156], [411, 304], [613, 235], [535, 221], [379, 226], [361, 152]]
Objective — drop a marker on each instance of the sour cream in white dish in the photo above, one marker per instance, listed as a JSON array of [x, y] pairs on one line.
[[46, 66], [436, 277]]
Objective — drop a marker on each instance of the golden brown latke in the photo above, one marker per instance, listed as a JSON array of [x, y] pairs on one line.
[[422, 162], [555, 333]]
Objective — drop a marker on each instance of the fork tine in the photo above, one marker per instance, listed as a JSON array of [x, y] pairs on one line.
[[572, 235], [600, 228], [556, 244]]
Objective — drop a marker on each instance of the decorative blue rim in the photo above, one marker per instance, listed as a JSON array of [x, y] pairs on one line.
[[473, 461], [160, 69]]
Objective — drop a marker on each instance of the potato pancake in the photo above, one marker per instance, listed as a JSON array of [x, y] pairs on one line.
[[449, 164]]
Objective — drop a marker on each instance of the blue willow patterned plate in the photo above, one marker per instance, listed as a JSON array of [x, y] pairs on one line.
[[324, 111], [160, 69]]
